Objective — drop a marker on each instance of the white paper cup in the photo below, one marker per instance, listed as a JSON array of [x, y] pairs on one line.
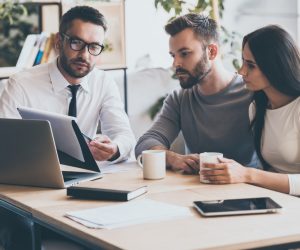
[[208, 157], [153, 163]]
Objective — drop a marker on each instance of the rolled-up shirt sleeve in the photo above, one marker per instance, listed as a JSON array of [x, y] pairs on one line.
[[115, 122], [11, 98], [294, 183]]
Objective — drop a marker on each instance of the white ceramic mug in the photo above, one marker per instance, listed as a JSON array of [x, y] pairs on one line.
[[153, 163], [208, 157]]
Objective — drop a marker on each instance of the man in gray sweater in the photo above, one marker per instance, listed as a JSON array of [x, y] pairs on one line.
[[211, 109]]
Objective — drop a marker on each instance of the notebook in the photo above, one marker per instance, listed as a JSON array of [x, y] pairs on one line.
[[29, 156]]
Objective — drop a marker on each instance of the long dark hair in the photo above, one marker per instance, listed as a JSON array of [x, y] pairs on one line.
[[278, 58]]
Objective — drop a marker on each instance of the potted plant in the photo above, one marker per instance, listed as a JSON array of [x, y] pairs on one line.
[[11, 10], [13, 29]]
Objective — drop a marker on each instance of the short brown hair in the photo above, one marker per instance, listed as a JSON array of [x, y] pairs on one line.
[[203, 26], [84, 13]]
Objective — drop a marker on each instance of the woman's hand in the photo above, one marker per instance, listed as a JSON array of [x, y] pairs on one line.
[[227, 171]]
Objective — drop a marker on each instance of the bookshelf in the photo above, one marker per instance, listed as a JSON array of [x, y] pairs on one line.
[[112, 59], [35, 20], [37, 48]]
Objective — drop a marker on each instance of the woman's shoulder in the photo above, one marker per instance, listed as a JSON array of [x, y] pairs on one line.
[[297, 110], [293, 108]]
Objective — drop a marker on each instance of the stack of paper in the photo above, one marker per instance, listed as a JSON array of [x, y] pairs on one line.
[[134, 212]]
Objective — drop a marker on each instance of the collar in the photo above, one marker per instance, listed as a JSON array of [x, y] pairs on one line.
[[59, 82]]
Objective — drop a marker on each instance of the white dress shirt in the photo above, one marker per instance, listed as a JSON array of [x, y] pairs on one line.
[[44, 87], [281, 141]]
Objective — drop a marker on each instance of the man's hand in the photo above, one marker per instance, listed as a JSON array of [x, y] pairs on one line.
[[103, 149], [189, 164]]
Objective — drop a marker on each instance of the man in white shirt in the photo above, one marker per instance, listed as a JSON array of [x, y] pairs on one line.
[[79, 43], [49, 87]]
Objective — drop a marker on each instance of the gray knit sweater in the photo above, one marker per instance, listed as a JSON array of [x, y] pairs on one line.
[[216, 123]]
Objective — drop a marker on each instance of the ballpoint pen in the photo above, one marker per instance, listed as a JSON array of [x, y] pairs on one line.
[[87, 139]]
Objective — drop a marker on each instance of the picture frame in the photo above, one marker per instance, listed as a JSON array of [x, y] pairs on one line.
[[113, 56], [50, 16]]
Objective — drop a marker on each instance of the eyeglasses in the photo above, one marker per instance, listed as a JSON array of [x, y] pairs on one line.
[[76, 44]]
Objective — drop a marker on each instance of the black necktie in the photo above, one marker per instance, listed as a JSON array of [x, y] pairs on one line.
[[72, 106]]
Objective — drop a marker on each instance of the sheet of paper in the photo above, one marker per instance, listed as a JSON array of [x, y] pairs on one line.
[[134, 212], [108, 167]]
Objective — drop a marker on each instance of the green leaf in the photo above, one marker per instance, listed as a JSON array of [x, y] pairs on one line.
[[11, 10], [236, 64], [156, 107]]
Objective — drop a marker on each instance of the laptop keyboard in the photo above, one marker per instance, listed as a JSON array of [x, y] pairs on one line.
[[66, 178], [69, 175]]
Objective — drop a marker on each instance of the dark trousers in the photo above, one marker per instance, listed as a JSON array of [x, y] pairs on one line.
[[15, 231]]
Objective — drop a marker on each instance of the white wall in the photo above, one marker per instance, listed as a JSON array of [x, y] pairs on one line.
[[147, 53], [245, 16], [145, 25], [145, 33]]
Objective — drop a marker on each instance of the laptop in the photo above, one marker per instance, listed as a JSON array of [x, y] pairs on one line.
[[70, 142], [28, 156]]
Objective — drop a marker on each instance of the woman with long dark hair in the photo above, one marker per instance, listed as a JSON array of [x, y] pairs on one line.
[[271, 68]]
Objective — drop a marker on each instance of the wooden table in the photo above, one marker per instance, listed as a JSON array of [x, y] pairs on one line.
[[48, 206]]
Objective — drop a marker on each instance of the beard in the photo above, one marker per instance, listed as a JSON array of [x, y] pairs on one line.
[[66, 64], [197, 75]]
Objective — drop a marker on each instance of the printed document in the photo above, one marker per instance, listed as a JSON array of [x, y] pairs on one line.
[[133, 212]]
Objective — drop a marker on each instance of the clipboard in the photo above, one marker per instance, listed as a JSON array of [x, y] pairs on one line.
[[71, 146]]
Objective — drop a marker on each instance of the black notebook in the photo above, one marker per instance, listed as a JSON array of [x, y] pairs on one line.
[[104, 193]]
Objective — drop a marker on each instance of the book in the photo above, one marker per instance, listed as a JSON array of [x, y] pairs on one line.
[[105, 193], [52, 55], [35, 50], [48, 48], [26, 50], [40, 53]]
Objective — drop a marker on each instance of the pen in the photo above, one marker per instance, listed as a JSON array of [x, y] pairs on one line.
[[88, 139]]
